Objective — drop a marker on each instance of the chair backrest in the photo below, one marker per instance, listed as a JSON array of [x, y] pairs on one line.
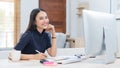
[[61, 40]]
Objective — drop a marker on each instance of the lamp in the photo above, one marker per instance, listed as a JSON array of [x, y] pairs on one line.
[[82, 5]]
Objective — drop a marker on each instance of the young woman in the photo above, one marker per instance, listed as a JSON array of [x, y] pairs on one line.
[[39, 36]]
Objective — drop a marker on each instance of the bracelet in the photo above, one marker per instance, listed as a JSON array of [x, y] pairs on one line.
[[53, 37]]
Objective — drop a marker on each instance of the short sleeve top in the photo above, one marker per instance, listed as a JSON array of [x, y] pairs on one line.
[[34, 40]]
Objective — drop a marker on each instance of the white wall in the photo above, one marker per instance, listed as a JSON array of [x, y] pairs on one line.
[[74, 24], [26, 8], [100, 5]]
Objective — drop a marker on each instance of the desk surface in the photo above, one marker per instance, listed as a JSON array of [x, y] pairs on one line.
[[5, 63]]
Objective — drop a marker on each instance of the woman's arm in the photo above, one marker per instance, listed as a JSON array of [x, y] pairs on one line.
[[53, 49], [30, 56], [33, 56]]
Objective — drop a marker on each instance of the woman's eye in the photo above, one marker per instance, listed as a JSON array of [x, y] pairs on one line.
[[46, 17], [41, 18]]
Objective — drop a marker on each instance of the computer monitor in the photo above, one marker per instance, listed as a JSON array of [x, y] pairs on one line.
[[100, 35]]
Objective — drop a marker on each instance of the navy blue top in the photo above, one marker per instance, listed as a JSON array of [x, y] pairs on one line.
[[34, 40]]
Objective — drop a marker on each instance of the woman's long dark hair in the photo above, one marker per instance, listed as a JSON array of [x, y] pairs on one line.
[[32, 25]]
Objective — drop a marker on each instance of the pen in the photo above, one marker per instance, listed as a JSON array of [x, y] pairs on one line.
[[37, 51], [78, 56]]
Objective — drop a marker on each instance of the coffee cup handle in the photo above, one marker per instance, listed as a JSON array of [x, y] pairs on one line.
[[9, 56]]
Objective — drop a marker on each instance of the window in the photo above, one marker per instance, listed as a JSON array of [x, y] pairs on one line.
[[6, 24]]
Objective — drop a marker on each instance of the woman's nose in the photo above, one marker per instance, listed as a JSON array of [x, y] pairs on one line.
[[45, 21]]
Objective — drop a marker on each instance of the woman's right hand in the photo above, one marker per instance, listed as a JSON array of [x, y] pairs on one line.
[[40, 56]]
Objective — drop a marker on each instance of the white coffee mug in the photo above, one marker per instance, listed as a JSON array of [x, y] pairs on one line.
[[15, 55]]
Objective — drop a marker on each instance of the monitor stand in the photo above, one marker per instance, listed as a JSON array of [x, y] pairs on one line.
[[110, 44], [108, 54]]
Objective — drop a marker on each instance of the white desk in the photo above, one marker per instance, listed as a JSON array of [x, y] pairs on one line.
[[5, 63]]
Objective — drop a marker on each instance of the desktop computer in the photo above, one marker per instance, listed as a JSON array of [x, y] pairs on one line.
[[100, 36]]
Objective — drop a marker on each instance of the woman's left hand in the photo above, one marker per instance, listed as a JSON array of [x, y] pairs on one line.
[[50, 28]]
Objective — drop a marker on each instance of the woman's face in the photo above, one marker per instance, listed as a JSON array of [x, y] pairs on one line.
[[42, 20]]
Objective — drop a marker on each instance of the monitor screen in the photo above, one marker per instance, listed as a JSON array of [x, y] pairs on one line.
[[100, 33]]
